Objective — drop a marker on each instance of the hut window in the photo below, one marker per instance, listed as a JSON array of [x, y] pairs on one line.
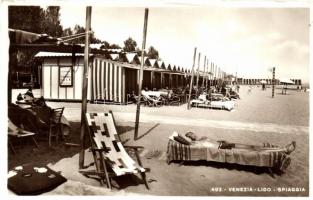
[[65, 76]]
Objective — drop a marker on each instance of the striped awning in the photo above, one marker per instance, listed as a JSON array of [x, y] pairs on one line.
[[55, 54]]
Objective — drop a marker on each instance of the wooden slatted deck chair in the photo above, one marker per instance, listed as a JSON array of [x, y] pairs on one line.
[[110, 157]]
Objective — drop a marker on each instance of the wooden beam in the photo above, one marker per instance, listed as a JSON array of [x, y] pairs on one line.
[[141, 72], [198, 73], [203, 78], [84, 89], [191, 80]]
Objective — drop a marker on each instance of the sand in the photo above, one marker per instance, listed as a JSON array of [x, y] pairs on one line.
[[257, 118]]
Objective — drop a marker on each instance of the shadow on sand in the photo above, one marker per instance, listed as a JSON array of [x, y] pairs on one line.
[[27, 154], [146, 133]]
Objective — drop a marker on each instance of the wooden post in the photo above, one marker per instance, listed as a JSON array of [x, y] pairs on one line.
[[218, 77], [152, 80], [84, 89], [191, 80], [207, 74], [273, 83], [210, 75], [141, 71], [198, 73], [214, 74], [40, 79], [170, 81], [12, 64], [203, 78]]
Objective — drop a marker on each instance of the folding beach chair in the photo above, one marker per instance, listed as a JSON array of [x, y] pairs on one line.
[[174, 99], [152, 101], [111, 159], [16, 132]]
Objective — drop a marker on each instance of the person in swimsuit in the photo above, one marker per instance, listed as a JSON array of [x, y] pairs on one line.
[[205, 141]]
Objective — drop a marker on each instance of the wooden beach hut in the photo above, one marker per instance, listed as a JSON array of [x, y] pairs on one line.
[[61, 75], [111, 76]]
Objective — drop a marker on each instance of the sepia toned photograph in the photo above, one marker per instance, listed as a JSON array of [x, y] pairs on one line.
[[172, 99]]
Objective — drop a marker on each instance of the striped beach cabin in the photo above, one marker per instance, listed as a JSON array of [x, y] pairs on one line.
[[110, 77]]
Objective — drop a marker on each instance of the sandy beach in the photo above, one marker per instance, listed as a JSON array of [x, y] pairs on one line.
[[257, 118]]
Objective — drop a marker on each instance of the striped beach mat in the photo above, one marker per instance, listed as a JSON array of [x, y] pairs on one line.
[[104, 135], [182, 152], [274, 159]]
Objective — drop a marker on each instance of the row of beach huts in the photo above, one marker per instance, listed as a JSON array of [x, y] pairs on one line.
[[112, 76]]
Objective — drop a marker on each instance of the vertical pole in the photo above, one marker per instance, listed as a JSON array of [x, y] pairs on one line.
[[215, 72], [204, 75], [39, 79], [273, 83], [152, 80], [207, 74], [198, 73], [170, 79], [221, 77], [211, 75], [191, 80], [141, 71], [12, 64], [84, 89], [218, 76]]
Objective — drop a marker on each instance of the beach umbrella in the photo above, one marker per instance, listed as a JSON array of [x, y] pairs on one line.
[[263, 82], [286, 81]]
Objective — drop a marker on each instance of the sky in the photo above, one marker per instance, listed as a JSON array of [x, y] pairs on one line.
[[246, 41]]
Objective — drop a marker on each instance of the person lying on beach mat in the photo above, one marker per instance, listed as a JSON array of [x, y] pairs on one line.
[[191, 147], [205, 141]]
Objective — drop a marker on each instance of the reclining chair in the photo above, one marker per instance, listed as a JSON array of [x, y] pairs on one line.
[[152, 101], [110, 157], [16, 132]]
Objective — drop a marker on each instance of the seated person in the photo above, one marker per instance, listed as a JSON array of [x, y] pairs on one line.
[[20, 116], [227, 94], [234, 94], [132, 97], [28, 96], [224, 90], [20, 97], [153, 99], [39, 102], [203, 97], [204, 141]]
